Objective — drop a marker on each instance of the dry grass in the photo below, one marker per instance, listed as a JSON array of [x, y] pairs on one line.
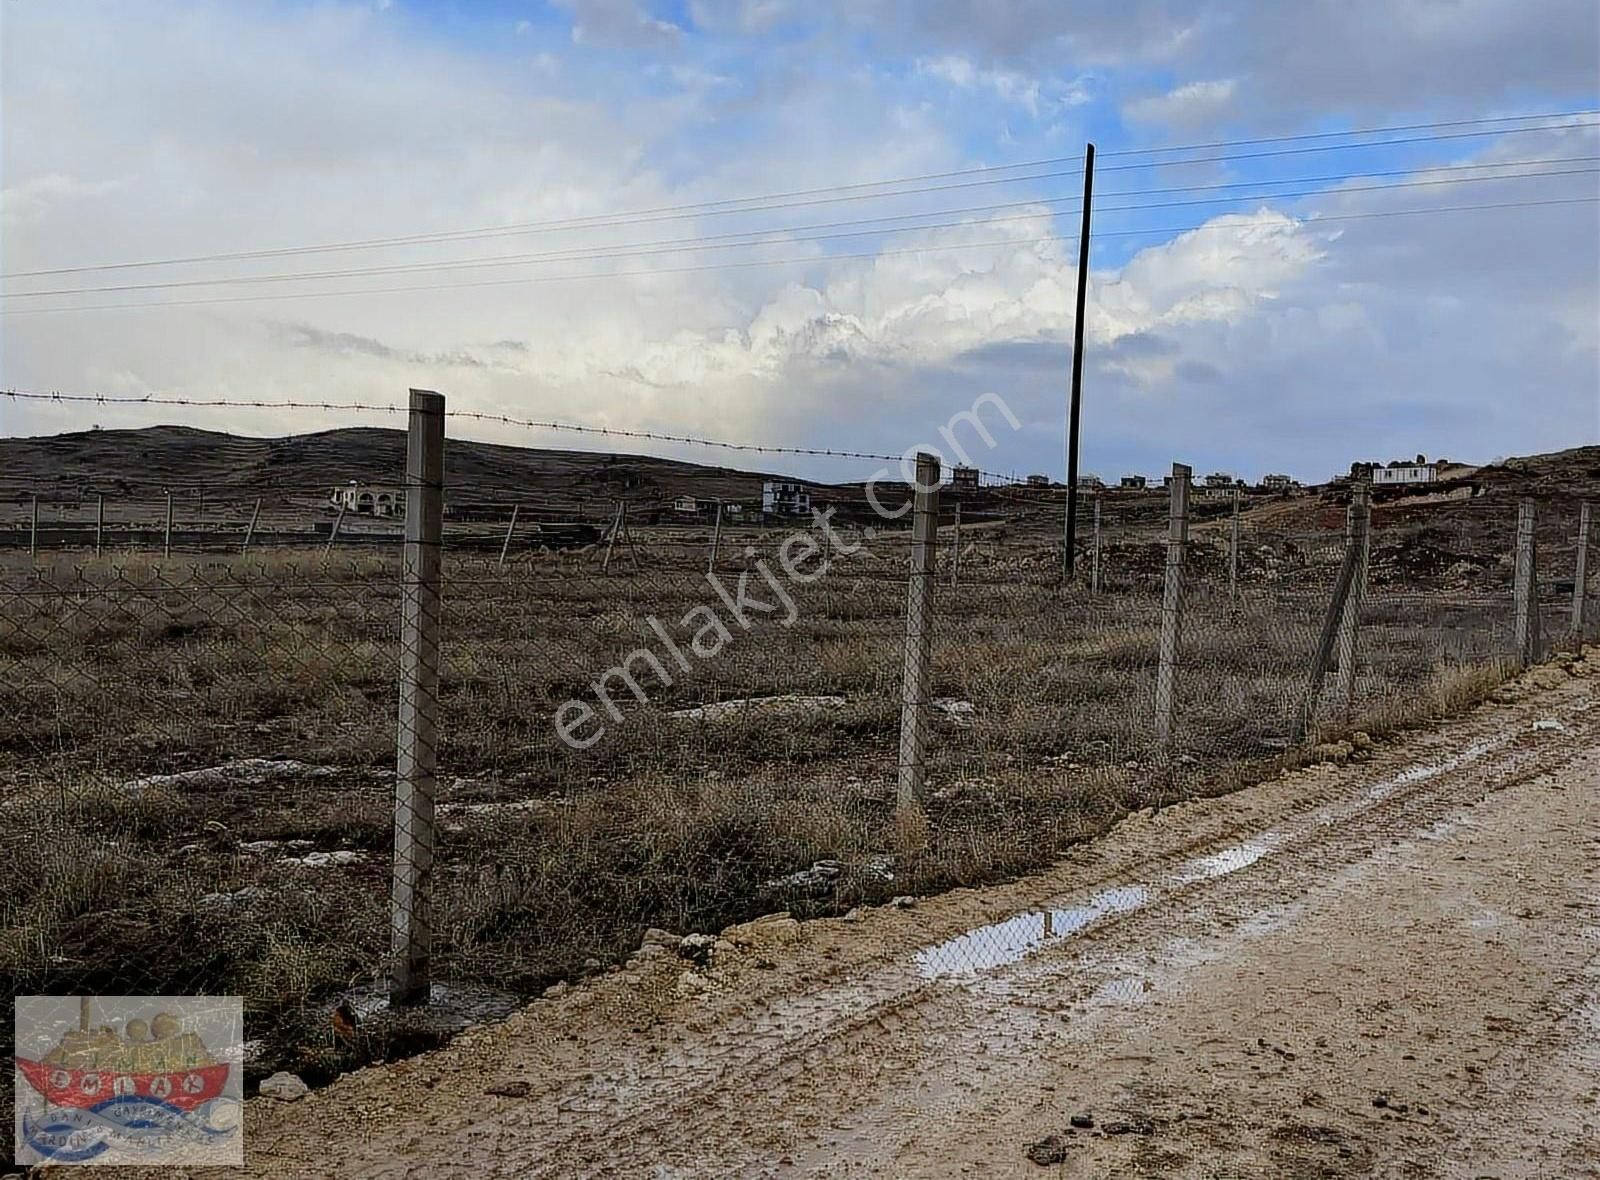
[[146, 668]]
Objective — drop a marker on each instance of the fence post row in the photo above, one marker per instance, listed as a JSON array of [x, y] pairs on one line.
[[1172, 607], [1526, 588], [914, 686], [411, 918], [1580, 574], [1357, 533]]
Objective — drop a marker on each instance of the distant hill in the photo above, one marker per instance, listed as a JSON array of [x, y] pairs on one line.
[[140, 465]]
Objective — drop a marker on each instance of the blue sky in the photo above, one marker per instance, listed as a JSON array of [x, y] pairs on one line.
[[1273, 337]]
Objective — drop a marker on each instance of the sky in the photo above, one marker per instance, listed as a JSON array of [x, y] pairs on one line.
[[1336, 303]]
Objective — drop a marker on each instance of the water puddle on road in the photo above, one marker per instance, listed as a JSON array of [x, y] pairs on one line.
[[1000, 944]]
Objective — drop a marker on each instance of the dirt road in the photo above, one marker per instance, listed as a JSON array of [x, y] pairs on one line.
[[1385, 968]]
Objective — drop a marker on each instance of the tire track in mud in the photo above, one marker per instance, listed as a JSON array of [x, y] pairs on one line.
[[681, 1104]]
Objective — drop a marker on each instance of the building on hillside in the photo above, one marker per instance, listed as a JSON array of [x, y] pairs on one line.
[[1403, 472], [1038, 481], [1133, 482], [1221, 479], [732, 508], [687, 505], [367, 499], [785, 497], [1278, 483], [964, 478], [1090, 483]]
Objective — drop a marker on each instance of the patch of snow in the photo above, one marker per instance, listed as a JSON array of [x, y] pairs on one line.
[[786, 702], [241, 771]]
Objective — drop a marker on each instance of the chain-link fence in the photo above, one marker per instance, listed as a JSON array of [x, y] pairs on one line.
[[469, 743]]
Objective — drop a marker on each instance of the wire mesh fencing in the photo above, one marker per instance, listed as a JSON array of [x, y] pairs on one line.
[[385, 782]]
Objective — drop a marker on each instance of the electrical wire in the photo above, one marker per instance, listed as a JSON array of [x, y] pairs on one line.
[[810, 260], [715, 242], [841, 193]]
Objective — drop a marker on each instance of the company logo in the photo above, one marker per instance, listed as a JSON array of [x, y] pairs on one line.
[[128, 1079]]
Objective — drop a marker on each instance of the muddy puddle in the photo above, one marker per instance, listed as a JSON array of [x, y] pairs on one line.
[[1000, 944]]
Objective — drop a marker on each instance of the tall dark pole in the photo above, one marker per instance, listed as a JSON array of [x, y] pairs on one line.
[[1069, 557]]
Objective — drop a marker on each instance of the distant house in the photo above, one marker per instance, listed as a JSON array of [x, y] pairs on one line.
[[732, 508], [1090, 483], [1278, 483], [686, 504], [783, 497], [367, 499], [1132, 481], [1220, 479], [1038, 481], [1402, 472], [963, 478]]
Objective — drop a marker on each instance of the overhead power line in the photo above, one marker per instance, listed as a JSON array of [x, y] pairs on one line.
[[863, 191], [786, 236], [810, 260]]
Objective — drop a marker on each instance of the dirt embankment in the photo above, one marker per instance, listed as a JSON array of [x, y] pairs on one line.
[[1389, 968]]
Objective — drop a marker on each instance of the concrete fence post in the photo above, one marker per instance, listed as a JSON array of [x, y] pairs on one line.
[[716, 540], [611, 538], [1233, 549], [918, 673], [1172, 607], [1357, 533], [1094, 556], [250, 529], [416, 754], [955, 549], [333, 533], [1526, 587], [99, 525], [1323, 655], [166, 536], [505, 546], [33, 527], [1580, 573]]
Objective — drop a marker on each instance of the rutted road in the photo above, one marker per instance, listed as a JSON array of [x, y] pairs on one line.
[[1389, 968]]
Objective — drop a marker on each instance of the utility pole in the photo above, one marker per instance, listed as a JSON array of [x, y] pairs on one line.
[[1068, 557]]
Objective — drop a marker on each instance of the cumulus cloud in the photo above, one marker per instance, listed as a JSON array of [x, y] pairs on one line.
[[1271, 338], [1289, 59], [1033, 94], [1194, 104]]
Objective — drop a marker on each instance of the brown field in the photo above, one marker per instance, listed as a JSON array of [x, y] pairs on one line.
[[197, 752], [551, 862]]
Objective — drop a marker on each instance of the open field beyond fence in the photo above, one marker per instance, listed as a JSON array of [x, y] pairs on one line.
[[197, 756]]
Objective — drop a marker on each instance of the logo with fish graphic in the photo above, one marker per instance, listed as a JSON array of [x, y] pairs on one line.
[[129, 1080]]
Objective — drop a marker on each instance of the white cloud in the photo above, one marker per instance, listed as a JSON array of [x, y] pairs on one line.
[[1033, 94], [1194, 104], [1299, 344], [619, 24]]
